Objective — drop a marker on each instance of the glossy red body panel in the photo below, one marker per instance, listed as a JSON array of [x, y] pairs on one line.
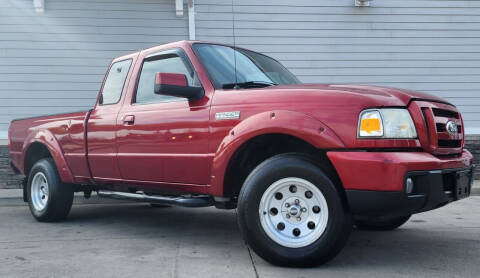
[[61, 134], [102, 150], [228, 135], [182, 146], [385, 171], [167, 143], [75, 148]]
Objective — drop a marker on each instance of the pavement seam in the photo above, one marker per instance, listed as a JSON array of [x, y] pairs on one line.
[[177, 254], [249, 251], [253, 263]]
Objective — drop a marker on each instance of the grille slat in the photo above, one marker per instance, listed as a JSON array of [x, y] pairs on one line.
[[444, 136]]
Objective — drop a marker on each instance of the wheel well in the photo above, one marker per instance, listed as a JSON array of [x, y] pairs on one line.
[[35, 152], [258, 149]]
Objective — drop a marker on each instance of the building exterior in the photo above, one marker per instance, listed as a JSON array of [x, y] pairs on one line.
[[54, 53]]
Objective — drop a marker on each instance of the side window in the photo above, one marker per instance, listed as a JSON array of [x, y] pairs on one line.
[[167, 63], [113, 87]]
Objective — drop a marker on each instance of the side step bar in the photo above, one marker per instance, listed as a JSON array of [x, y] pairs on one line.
[[203, 201]]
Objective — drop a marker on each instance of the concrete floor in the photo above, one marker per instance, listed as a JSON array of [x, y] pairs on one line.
[[134, 240]]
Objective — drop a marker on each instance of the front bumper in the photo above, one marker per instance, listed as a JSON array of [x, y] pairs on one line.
[[374, 181]]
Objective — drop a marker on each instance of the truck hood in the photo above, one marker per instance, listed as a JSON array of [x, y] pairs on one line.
[[373, 92], [336, 106]]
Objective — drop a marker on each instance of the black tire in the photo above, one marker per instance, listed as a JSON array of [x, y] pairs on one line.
[[60, 195], [382, 223], [339, 224]]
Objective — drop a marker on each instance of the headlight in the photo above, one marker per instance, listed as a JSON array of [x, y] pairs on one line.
[[386, 123]]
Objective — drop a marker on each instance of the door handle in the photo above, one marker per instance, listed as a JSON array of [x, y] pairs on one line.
[[128, 119]]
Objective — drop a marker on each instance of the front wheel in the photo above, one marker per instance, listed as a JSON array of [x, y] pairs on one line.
[[291, 214], [48, 198]]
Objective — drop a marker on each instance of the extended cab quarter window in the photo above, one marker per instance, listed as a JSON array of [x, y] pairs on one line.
[[113, 87], [171, 63]]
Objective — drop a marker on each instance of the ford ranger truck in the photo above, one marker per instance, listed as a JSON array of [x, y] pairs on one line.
[[200, 124]]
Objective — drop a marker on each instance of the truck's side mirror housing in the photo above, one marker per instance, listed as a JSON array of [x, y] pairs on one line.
[[175, 84]]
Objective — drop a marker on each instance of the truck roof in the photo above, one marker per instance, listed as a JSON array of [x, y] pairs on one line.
[[167, 45]]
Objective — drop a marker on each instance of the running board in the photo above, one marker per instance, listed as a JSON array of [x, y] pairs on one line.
[[203, 201]]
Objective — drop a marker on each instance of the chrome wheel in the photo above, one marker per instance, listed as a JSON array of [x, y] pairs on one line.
[[293, 212], [39, 191]]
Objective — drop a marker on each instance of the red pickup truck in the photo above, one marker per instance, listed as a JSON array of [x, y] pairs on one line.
[[202, 124]]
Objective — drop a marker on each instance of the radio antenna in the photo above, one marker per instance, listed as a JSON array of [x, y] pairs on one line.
[[234, 49]]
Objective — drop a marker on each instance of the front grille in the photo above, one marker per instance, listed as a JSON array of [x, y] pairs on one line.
[[433, 118]]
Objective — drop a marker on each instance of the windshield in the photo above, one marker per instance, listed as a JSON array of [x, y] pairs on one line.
[[253, 69]]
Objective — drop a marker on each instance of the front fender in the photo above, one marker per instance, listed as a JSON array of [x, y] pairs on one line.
[[45, 137], [292, 123]]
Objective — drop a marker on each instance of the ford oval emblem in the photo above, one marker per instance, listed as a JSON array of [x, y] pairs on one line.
[[452, 128]]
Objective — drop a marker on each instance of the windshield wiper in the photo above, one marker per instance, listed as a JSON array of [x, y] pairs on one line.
[[249, 84]]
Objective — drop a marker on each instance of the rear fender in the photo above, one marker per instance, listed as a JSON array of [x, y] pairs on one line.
[[46, 138], [292, 123]]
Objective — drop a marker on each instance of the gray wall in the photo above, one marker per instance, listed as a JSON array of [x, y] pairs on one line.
[[427, 45], [54, 62]]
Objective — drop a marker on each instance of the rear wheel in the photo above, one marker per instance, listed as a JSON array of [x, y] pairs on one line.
[[381, 223], [290, 212], [48, 198]]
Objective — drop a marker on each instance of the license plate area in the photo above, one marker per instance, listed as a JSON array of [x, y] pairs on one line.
[[463, 184]]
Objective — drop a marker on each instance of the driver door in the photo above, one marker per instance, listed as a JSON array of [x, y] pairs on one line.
[[164, 139]]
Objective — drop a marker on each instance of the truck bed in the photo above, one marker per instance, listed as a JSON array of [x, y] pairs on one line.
[[65, 131]]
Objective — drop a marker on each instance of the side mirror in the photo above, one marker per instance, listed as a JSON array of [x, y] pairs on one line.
[[175, 84]]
